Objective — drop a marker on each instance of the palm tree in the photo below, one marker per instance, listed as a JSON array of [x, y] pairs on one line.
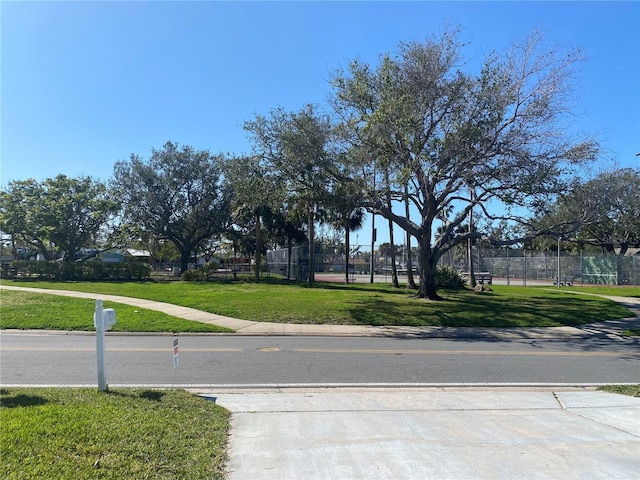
[[344, 213], [351, 222], [287, 227]]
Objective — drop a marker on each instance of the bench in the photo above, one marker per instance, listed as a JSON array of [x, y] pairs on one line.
[[481, 277]]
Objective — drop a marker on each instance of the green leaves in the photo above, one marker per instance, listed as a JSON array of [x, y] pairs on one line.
[[433, 132], [178, 194], [610, 207], [58, 216]]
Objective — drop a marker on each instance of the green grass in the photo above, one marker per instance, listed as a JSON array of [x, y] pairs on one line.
[[26, 310], [634, 332], [79, 433], [366, 304], [631, 390], [612, 291]]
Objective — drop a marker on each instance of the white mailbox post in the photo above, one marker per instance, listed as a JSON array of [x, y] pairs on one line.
[[103, 320]]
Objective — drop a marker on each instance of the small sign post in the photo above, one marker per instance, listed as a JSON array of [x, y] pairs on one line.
[[103, 319], [175, 353]]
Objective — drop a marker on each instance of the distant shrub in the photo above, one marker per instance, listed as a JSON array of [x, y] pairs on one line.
[[192, 276], [200, 274], [448, 277], [139, 270]]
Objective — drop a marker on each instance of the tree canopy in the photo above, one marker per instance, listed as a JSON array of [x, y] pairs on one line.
[[258, 192], [296, 147], [419, 137], [451, 141], [604, 212], [177, 194], [609, 206], [58, 216]]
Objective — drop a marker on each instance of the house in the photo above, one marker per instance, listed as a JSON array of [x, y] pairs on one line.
[[112, 257], [134, 255]]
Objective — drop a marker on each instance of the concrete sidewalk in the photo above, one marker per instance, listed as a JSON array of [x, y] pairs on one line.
[[432, 434], [246, 327]]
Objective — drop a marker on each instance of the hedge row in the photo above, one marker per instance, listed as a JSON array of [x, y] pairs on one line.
[[82, 270]]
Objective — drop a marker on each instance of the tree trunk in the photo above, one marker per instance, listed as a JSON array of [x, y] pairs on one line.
[[472, 273], [620, 263], [427, 270], [373, 242], [289, 251], [410, 281], [41, 248], [184, 260], [346, 254], [235, 261], [312, 248], [394, 269], [258, 246]]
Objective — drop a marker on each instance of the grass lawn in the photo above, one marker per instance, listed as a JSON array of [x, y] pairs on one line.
[[80, 433], [26, 310], [612, 291], [631, 390], [363, 304], [634, 332]]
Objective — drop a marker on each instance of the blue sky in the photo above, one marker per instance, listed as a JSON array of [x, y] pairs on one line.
[[85, 84]]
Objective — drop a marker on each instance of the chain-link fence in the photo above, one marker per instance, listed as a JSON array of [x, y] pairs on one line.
[[506, 265], [517, 266], [294, 264]]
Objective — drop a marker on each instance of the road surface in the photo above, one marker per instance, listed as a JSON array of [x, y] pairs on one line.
[[214, 360]]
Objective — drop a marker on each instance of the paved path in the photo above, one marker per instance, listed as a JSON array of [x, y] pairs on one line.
[[245, 327]]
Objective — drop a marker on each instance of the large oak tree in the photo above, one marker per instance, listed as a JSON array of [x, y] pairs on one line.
[[450, 140], [58, 216], [177, 194]]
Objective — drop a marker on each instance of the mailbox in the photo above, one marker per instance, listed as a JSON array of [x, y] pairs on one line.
[[105, 319], [108, 318]]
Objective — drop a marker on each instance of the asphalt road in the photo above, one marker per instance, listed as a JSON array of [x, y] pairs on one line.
[[70, 359]]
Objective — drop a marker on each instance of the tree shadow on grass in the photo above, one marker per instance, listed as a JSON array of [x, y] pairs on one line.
[[360, 287], [153, 395], [378, 311], [544, 311], [10, 400], [467, 309]]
